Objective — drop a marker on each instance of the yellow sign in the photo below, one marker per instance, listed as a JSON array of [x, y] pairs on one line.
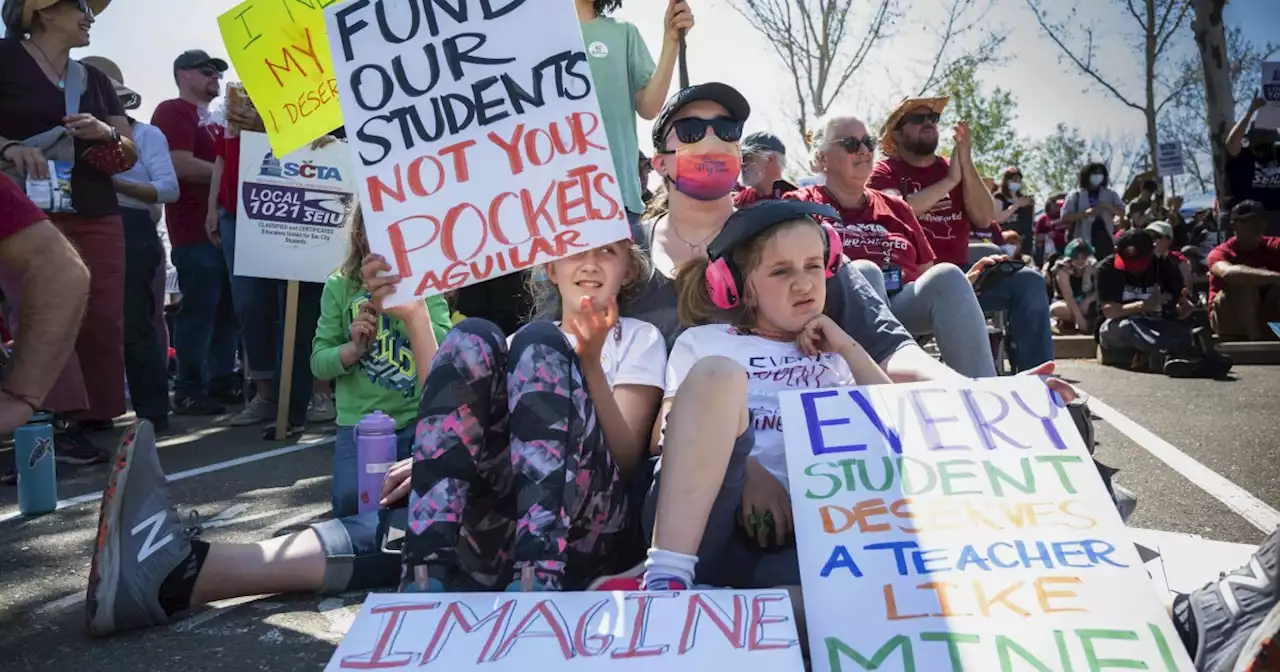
[[281, 51]]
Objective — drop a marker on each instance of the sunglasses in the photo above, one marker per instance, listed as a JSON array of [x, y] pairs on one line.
[[691, 130], [918, 118], [208, 71], [851, 144], [82, 5]]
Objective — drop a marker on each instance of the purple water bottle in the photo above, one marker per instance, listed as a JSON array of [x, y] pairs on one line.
[[375, 453]]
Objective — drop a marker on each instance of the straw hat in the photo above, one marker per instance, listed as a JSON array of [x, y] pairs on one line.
[[887, 146], [128, 97], [30, 7]]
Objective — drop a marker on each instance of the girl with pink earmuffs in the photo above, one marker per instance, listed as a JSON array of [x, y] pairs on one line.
[[719, 508]]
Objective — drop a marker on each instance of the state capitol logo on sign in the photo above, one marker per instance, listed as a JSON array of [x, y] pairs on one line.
[[598, 50]]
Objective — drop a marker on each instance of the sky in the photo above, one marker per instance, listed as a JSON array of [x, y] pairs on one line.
[[143, 37]]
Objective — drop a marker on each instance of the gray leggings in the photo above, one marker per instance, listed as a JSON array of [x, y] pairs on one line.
[[941, 302]]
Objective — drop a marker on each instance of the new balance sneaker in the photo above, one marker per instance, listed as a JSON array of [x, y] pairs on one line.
[[1237, 617], [141, 542], [259, 409]]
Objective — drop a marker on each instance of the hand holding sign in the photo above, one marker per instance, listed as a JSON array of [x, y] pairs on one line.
[[378, 278], [679, 20]]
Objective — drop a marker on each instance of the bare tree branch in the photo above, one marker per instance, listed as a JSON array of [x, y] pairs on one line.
[[1163, 35], [1083, 63]]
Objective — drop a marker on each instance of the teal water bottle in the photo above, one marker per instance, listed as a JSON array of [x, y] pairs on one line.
[[37, 478]]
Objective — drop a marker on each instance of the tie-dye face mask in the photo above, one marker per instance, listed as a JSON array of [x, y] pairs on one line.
[[705, 174]]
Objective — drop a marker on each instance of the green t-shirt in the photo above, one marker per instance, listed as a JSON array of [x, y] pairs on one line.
[[620, 67], [386, 378]]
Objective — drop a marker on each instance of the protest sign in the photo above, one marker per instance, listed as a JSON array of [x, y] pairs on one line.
[[477, 135], [1169, 159], [1269, 116], [746, 630], [291, 220], [963, 526], [281, 52]]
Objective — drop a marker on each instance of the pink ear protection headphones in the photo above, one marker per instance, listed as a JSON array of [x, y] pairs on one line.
[[724, 278]]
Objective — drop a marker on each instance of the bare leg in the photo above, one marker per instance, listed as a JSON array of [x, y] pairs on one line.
[[292, 564], [709, 413]]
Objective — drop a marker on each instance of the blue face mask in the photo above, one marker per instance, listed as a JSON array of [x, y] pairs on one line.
[[1014, 187], [1096, 179]]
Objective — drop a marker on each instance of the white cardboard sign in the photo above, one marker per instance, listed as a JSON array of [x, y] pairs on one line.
[[477, 135], [968, 524], [1169, 159], [1269, 116], [693, 631], [293, 212]]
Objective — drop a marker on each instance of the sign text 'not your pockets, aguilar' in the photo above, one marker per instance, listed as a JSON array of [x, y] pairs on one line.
[[292, 215]]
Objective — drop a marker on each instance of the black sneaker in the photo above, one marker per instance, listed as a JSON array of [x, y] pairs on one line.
[[1181, 368], [72, 447], [92, 426], [1237, 617], [228, 389], [184, 405], [159, 423]]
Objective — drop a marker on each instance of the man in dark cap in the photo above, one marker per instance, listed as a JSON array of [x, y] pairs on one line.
[[763, 158], [205, 333]]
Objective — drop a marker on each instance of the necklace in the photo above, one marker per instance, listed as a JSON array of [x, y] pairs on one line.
[[774, 335], [62, 76], [700, 245]]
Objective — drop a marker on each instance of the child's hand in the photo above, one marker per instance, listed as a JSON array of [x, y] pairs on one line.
[[380, 286], [408, 312], [766, 507], [363, 330], [821, 335], [591, 327]]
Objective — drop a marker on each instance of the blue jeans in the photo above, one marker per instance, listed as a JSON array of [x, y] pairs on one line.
[[353, 553], [1022, 296], [260, 303], [205, 333], [345, 488]]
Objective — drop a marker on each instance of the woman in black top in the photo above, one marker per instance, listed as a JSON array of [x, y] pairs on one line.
[[1015, 210]]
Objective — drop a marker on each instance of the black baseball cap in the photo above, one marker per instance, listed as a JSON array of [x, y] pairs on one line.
[[761, 141], [749, 222], [738, 107], [1133, 251], [195, 58]]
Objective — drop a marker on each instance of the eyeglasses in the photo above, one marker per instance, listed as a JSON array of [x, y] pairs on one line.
[[918, 118], [851, 144], [691, 130]]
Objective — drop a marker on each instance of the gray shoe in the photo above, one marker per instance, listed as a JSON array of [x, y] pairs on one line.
[[256, 411], [1238, 616], [140, 540]]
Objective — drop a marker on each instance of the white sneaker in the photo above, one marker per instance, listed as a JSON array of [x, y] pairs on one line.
[[322, 408], [258, 410]]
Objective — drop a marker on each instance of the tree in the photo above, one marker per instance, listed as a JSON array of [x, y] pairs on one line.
[[813, 39], [1055, 161], [996, 145], [816, 43], [1159, 24]]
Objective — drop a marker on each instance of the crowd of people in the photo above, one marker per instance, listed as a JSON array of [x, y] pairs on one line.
[[609, 420]]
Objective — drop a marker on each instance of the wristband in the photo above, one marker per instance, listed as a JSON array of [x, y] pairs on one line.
[[5, 147]]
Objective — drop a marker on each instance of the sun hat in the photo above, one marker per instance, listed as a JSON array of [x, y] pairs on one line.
[[887, 146], [30, 7], [128, 97]]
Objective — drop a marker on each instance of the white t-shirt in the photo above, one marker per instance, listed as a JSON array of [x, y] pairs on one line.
[[635, 354], [772, 367]]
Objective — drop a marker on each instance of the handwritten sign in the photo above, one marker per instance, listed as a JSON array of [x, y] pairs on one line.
[[744, 630], [477, 134], [293, 212], [281, 52], [969, 526]]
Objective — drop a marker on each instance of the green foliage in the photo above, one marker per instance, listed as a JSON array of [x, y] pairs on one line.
[[996, 144], [1056, 160]]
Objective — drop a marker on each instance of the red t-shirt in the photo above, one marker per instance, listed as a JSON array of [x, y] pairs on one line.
[[1266, 256], [1056, 229], [17, 212], [180, 122], [946, 223], [883, 227], [228, 149]]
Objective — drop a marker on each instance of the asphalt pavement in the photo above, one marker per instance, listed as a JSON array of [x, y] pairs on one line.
[[247, 489]]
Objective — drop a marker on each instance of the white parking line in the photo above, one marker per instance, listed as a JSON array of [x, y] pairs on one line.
[[1257, 512], [189, 473]]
